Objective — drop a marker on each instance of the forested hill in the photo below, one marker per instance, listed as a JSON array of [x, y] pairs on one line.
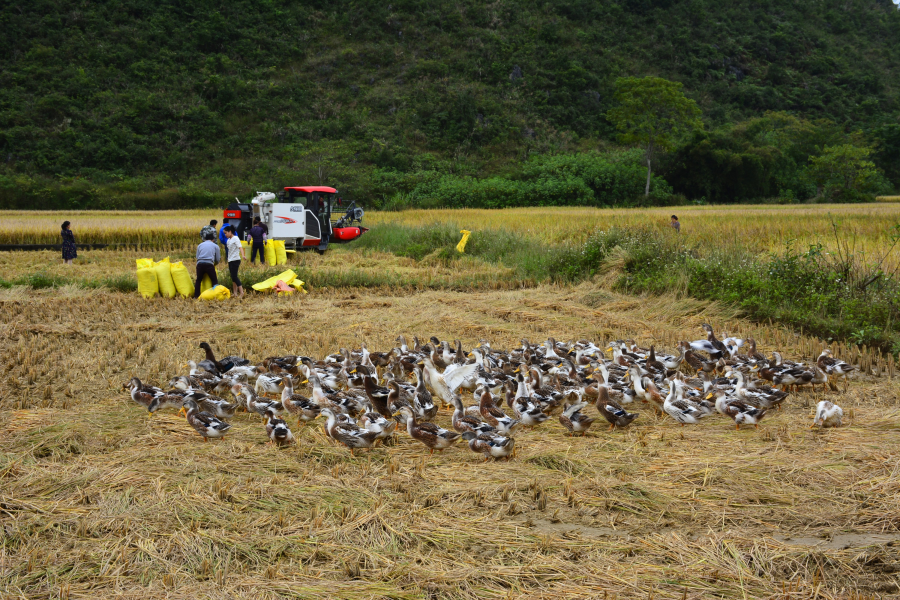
[[102, 99]]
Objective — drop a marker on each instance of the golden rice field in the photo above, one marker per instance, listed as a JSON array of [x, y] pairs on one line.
[[761, 227], [98, 501]]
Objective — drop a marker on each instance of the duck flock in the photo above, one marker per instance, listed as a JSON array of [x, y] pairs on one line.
[[362, 396]]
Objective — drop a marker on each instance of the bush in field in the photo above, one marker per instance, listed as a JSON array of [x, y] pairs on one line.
[[833, 295]]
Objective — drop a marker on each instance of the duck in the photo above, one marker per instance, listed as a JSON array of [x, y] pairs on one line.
[[741, 412], [378, 396], [490, 444], [463, 422], [574, 420], [204, 423], [348, 434], [760, 398], [277, 430], [218, 407], [351, 402], [142, 395], [828, 414], [225, 364], [254, 403], [305, 409], [495, 417], [529, 412], [433, 436], [683, 411], [374, 421], [269, 384], [445, 384], [200, 370], [832, 365], [612, 411], [423, 399], [172, 399], [185, 382]]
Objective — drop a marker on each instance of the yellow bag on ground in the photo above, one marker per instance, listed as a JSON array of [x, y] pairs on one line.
[[280, 253], [267, 285], [298, 285], [184, 285], [206, 284], [269, 251], [147, 284], [461, 246], [143, 263], [220, 292], [245, 244], [164, 278]]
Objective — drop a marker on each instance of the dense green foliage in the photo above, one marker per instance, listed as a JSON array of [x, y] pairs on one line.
[[126, 103]]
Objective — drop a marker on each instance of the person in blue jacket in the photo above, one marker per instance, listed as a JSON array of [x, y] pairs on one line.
[[222, 237]]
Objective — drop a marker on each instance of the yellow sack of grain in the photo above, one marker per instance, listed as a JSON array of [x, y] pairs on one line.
[[143, 263], [245, 244], [280, 253], [164, 278], [220, 292], [184, 285], [147, 284], [269, 251], [461, 246], [267, 285], [206, 284]]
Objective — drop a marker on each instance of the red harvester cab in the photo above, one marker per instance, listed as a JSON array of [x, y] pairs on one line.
[[309, 217]]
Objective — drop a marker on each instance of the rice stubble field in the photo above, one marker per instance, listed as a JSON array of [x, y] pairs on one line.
[[97, 500]]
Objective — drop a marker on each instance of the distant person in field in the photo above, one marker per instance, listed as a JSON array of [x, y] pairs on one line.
[[676, 224], [257, 238], [208, 257], [69, 249], [235, 252], [207, 229]]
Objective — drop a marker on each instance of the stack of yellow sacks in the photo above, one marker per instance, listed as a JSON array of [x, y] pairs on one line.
[[275, 252], [170, 279], [288, 277]]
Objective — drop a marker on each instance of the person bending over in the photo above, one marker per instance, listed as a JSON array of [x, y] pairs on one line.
[[208, 257]]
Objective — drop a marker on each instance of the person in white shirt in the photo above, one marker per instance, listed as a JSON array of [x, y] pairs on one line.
[[235, 254]]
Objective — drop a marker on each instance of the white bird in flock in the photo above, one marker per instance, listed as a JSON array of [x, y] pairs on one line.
[[446, 383]]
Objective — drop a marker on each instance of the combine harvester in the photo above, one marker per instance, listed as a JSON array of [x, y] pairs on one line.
[[306, 218]]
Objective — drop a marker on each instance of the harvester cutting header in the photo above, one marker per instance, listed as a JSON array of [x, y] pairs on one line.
[[309, 217]]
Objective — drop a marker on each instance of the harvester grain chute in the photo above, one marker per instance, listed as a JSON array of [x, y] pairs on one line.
[[306, 218]]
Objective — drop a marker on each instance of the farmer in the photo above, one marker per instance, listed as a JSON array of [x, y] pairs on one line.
[[207, 258], [222, 238], [235, 252], [257, 238], [207, 229], [675, 224], [69, 250]]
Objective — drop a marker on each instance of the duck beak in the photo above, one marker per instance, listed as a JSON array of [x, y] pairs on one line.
[[709, 396], [353, 371]]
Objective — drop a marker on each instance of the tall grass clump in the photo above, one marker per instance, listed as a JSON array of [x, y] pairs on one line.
[[529, 257]]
